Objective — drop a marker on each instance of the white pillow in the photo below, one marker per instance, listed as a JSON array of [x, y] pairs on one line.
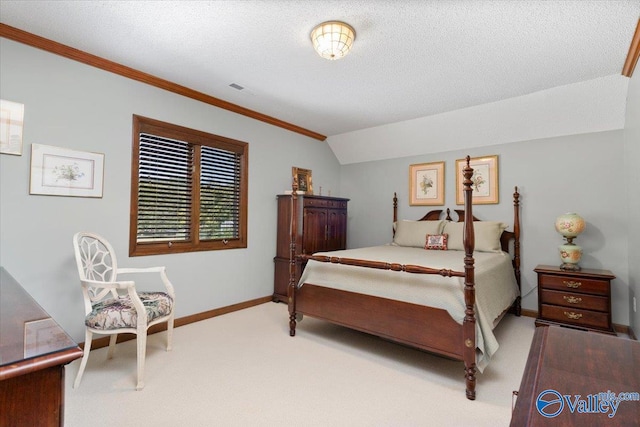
[[487, 235], [414, 233]]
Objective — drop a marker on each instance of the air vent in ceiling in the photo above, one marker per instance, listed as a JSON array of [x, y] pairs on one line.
[[236, 86]]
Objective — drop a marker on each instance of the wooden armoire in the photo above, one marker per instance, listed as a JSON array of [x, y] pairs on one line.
[[322, 226]]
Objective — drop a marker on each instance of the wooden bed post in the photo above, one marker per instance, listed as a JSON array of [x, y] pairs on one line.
[[291, 289], [469, 323], [395, 213], [516, 248]]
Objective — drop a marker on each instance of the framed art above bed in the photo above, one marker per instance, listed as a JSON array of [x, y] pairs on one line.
[[484, 182], [426, 184]]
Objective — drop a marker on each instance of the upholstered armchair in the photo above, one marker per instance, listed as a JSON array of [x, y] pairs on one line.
[[112, 305]]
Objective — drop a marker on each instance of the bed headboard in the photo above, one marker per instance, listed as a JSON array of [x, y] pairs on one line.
[[505, 238]]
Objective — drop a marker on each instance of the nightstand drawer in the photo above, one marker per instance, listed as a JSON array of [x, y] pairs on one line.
[[575, 284], [574, 316], [575, 300]]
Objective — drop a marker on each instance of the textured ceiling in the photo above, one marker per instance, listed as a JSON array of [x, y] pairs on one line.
[[410, 58]]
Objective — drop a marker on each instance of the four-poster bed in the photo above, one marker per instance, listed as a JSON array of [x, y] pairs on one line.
[[407, 319]]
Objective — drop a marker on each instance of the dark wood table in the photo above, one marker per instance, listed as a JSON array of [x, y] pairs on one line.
[[572, 373], [33, 352]]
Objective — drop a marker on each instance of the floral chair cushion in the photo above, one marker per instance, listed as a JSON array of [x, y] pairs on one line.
[[120, 313]]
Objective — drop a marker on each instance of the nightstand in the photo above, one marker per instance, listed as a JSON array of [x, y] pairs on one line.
[[577, 299]]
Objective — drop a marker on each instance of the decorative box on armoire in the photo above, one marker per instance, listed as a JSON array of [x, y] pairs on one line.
[[322, 226]]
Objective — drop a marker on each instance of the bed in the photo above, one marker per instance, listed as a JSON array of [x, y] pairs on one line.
[[373, 289]]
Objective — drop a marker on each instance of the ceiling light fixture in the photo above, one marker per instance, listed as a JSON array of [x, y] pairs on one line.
[[333, 39]]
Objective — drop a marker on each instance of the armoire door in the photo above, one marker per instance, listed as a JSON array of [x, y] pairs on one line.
[[315, 230], [336, 229]]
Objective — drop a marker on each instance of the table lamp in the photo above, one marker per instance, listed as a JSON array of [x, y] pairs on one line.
[[570, 225]]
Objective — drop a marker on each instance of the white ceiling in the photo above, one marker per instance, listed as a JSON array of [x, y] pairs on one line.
[[410, 58]]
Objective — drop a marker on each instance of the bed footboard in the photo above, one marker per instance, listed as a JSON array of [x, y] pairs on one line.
[[394, 320]]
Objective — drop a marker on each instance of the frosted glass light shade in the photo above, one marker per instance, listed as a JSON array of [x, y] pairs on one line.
[[333, 39]]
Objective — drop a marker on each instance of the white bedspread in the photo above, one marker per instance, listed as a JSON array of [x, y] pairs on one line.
[[496, 287]]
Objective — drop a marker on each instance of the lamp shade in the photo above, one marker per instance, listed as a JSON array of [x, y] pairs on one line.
[[333, 39], [570, 224]]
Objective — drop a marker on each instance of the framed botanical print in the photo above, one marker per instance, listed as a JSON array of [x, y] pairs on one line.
[[484, 180], [59, 171], [426, 184]]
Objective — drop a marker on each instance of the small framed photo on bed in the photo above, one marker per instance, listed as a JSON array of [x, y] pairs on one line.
[[484, 180], [426, 184], [303, 178]]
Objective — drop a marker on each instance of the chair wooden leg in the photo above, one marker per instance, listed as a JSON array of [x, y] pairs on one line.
[[88, 336], [170, 334], [112, 345], [142, 350]]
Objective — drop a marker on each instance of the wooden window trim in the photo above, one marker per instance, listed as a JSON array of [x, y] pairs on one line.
[[167, 130]]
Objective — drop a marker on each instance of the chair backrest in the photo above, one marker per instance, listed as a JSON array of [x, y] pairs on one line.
[[96, 260]]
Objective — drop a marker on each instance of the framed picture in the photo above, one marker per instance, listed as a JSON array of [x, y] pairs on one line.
[[11, 118], [484, 180], [303, 178], [426, 184], [61, 172]]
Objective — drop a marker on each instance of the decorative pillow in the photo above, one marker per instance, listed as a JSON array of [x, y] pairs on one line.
[[436, 241], [487, 235], [412, 233]]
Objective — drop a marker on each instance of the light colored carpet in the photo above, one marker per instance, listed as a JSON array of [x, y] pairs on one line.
[[243, 369]]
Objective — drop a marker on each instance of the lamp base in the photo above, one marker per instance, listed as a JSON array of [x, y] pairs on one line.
[[570, 267]]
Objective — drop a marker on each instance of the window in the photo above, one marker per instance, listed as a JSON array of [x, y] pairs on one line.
[[188, 190]]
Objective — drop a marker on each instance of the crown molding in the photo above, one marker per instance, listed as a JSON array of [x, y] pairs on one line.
[[51, 46], [634, 52]]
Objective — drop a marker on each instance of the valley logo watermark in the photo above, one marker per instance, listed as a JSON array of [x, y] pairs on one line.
[[550, 403]]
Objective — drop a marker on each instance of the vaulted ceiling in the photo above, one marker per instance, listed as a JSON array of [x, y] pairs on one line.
[[410, 58]]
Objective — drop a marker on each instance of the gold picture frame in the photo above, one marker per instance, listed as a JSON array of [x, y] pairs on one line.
[[426, 184], [485, 180], [303, 178]]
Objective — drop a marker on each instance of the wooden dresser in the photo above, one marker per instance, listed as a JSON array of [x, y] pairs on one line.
[[33, 352], [580, 299], [570, 377], [322, 226]]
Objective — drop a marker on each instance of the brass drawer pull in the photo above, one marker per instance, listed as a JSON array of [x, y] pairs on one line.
[[572, 315], [572, 284], [572, 300]]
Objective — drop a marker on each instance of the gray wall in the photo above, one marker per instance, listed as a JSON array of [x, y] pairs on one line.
[[68, 104], [581, 173], [71, 105], [632, 157]]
